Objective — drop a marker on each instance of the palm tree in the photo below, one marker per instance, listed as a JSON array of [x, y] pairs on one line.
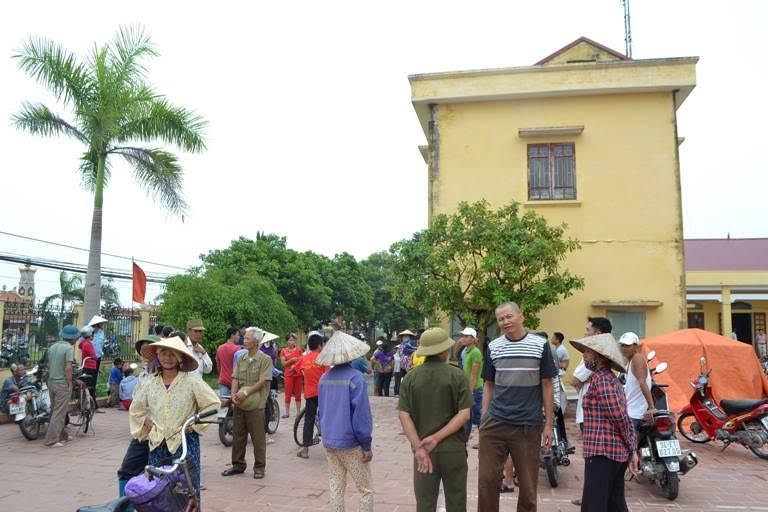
[[112, 108], [71, 290]]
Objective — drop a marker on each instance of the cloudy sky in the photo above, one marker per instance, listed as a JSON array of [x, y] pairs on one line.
[[312, 134]]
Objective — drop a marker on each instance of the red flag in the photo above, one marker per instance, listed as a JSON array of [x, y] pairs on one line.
[[139, 284]]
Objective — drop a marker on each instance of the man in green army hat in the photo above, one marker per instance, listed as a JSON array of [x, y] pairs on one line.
[[434, 406]]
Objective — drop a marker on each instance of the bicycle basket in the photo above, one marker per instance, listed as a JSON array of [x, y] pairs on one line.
[[158, 494]]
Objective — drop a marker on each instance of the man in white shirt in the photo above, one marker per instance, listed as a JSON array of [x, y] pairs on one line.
[[195, 332], [595, 325]]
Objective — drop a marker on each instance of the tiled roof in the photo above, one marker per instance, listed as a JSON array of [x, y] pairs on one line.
[[726, 254]]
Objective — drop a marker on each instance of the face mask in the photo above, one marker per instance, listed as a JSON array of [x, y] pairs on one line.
[[406, 339], [591, 365]]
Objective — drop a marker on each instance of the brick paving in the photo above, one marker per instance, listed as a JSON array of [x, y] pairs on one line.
[[83, 472]]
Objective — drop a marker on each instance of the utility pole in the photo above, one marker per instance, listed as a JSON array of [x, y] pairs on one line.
[[627, 30]]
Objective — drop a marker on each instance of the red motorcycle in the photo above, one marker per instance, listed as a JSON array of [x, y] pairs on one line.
[[740, 421]]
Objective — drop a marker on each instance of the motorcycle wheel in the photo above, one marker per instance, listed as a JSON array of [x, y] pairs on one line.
[[686, 424], [671, 485], [551, 467], [761, 451], [29, 426], [225, 429]]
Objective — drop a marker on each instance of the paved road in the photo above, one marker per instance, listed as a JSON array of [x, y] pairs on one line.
[[83, 472]]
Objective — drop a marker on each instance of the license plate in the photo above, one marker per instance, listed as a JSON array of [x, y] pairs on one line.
[[669, 448], [14, 409], [764, 421]]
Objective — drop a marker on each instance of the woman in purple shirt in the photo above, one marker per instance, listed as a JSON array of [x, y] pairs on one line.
[[386, 360]]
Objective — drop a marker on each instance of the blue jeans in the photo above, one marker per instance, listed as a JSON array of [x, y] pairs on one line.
[[474, 411], [224, 390]]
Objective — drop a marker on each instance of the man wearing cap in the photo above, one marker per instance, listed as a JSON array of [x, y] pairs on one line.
[[251, 378], [518, 372], [434, 406], [195, 332], [344, 415], [472, 364], [638, 387], [61, 357]]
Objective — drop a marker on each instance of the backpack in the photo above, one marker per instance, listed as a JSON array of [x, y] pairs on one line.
[[158, 494]]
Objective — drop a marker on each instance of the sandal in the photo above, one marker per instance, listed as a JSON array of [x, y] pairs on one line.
[[285, 416], [302, 455], [506, 488], [258, 474]]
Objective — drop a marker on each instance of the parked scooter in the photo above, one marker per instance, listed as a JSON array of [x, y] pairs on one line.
[[558, 455], [731, 421], [31, 406], [661, 459]]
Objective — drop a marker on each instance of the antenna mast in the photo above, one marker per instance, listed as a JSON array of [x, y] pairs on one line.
[[627, 30]]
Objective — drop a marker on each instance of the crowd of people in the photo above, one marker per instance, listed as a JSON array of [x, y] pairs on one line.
[[507, 397]]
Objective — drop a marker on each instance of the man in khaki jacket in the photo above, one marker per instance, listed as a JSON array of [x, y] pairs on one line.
[[251, 378]]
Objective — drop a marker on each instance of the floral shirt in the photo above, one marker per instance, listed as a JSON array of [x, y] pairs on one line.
[[168, 408], [608, 431]]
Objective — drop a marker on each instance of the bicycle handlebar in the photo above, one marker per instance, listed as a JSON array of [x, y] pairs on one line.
[[192, 419]]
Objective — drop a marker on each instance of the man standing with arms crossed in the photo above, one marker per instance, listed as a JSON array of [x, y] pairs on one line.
[[251, 378], [518, 372]]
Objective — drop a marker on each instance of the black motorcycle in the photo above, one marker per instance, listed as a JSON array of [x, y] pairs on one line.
[[661, 459]]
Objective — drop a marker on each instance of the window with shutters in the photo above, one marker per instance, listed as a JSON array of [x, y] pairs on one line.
[[551, 172]]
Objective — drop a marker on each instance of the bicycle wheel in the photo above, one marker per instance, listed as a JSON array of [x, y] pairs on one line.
[[272, 415], [298, 430]]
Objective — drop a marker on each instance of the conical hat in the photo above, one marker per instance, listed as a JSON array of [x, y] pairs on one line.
[[268, 336], [341, 348], [606, 346], [96, 320], [407, 332], [188, 362]]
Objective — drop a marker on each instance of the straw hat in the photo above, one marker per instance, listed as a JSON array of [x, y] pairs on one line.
[[407, 332], [96, 320], [342, 348], [434, 341], [188, 363], [606, 346]]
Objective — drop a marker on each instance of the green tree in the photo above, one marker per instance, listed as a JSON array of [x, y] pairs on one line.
[[467, 263], [224, 299], [296, 276], [389, 314], [112, 108]]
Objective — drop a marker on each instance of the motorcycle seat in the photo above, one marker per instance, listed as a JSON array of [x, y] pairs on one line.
[[736, 406], [116, 505]]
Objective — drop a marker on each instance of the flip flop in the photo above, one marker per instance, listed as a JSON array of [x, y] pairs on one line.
[[284, 416], [302, 456], [505, 488]]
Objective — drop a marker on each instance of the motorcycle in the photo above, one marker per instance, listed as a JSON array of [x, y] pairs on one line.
[[7, 354], [558, 455], [30, 407], [731, 421], [661, 459]]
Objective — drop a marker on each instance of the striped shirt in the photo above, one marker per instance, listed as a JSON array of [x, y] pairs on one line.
[[516, 368]]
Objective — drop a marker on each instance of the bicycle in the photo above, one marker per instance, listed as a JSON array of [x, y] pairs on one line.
[[166, 488], [226, 421], [82, 416], [298, 430]]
